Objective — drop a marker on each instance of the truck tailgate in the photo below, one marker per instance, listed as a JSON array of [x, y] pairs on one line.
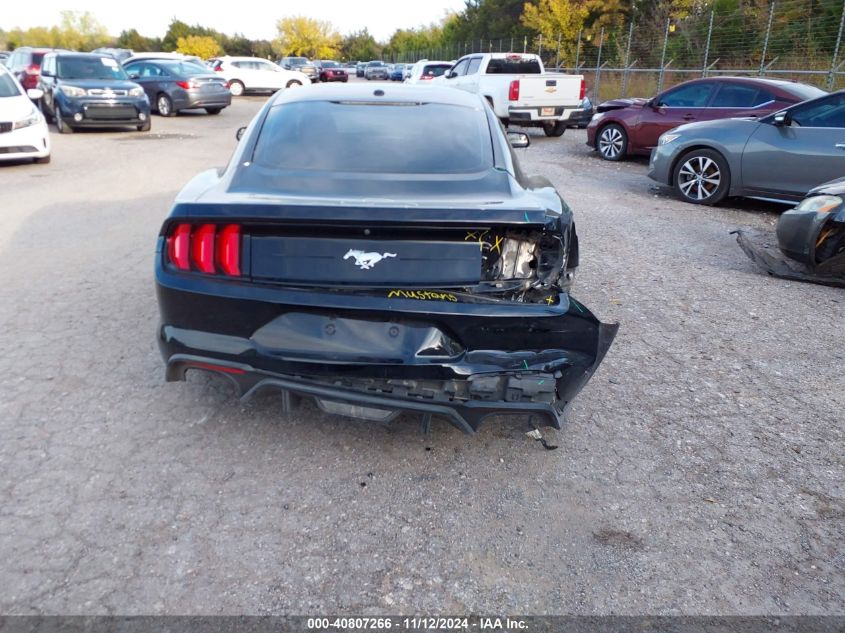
[[549, 89]]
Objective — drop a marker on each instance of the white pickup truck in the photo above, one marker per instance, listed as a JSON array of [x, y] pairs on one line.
[[519, 89]]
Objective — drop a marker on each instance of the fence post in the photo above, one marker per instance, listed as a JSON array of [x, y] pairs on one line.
[[663, 56], [627, 61], [540, 50], [766, 41], [557, 55], [525, 44], [598, 68], [510, 50], [707, 46], [578, 50], [831, 80]]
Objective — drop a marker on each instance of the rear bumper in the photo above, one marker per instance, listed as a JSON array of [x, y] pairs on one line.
[[536, 114], [196, 99], [460, 359]]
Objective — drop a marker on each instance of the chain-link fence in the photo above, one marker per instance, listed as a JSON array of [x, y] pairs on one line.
[[800, 40]]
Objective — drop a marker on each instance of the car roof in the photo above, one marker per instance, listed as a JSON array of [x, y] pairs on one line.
[[389, 93]]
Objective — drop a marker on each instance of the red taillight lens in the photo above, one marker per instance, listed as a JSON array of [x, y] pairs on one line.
[[513, 91], [206, 249], [183, 84], [218, 69], [229, 250], [178, 247], [202, 248], [426, 77], [583, 89]]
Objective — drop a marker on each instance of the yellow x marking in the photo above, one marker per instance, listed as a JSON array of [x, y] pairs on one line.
[[497, 245], [550, 300]]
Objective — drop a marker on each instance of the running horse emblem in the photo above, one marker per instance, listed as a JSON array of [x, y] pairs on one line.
[[365, 261]]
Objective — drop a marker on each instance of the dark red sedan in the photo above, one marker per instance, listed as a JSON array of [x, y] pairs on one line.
[[332, 71], [624, 127]]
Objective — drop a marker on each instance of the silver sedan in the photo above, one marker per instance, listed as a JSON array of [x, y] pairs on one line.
[[779, 157]]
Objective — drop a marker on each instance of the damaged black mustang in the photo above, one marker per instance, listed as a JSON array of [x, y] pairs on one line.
[[379, 251]]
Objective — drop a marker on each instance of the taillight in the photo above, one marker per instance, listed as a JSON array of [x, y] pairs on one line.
[[206, 249], [513, 91], [218, 69], [583, 89], [202, 248], [185, 85], [229, 250], [178, 247], [426, 77]]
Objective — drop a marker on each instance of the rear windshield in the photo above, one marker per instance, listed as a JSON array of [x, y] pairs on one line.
[[37, 57], [298, 61], [804, 92], [97, 68], [330, 65], [514, 66], [7, 86], [388, 138], [435, 70]]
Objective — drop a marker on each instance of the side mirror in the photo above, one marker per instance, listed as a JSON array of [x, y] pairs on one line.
[[519, 140], [239, 134], [451, 74], [134, 75], [782, 119], [34, 93]]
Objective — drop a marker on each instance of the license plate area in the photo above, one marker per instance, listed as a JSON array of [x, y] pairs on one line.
[[547, 111]]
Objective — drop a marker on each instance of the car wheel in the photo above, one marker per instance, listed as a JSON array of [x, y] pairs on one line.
[[61, 126], [45, 111], [702, 177], [146, 126], [43, 160], [612, 142], [236, 88], [293, 83], [554, 129], [164, 105], [214, 110]]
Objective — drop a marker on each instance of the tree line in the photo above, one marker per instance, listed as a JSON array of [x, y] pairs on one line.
[[799, 25]]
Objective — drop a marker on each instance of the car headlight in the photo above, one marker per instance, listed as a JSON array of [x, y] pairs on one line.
[[72, 91], [667, 138], [819, 204], [31, 119], [597, 116], [136, 92]]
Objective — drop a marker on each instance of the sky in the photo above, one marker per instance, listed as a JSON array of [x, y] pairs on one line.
[[151, 18]]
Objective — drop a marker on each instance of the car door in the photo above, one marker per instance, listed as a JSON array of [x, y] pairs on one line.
[[47, 82], [455, 75], [684, 104], [245, 72], [272, 76], [142, 73], [469, 81], [791, 158]]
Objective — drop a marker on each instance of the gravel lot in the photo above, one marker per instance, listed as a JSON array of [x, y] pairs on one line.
[[701, 471]]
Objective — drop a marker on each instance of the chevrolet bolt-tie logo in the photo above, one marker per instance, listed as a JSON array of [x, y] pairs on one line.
[[365, 261]]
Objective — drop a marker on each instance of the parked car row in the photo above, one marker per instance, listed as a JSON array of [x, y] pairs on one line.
[[729, 136]]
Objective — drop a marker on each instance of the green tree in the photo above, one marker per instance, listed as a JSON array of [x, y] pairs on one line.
[[360, 45], [307, 37], [203, 46], [80, 31]]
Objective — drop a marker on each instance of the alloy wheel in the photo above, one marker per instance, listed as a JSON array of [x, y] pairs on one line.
[[611, 142], [163, 105], [699, 178]]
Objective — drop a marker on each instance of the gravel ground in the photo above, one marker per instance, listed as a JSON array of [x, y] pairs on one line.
[[701, 471]]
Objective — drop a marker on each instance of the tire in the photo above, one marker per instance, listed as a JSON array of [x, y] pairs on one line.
[[612, 142], [702, 176], [146, 126], [44, 111], [214, 110], [236, 88], [554, 129], [61, 126], [42, 160], [293, 83], [164, 105]]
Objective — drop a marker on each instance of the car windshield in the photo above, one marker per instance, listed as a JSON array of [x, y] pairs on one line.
[[330, 65], [184, 69], [377, 64], [326, 136], [298, 61], [8, 88], [96, 68]]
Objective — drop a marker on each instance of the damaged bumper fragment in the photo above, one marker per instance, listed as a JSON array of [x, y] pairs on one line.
[[426, 351]]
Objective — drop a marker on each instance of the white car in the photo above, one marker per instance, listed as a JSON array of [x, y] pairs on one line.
[[425, 70], [245, 74], [23, 130], [177, 56]]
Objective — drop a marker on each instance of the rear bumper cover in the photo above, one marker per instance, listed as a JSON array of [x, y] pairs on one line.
[[462, 359]]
